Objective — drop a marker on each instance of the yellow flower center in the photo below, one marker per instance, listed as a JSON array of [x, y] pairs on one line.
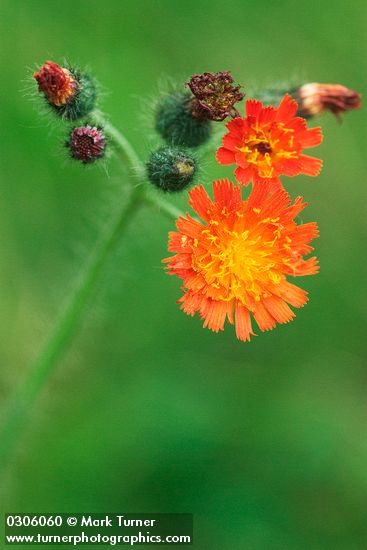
[[264, 146], [238, 261]]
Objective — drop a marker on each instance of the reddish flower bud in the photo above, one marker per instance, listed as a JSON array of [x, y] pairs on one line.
[[69, 92], [315, 98], [57, 83], [87, 143], [215, 96]]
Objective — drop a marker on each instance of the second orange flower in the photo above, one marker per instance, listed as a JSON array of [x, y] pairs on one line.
[[268, 142]]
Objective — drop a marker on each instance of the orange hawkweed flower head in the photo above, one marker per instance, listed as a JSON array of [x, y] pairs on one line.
[[57, 83], [235, 262], [268, 142]]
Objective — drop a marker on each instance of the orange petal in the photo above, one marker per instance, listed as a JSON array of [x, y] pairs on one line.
[[306, 267], [194, 281], [231, 142], [289, 167], [295, 208], [276, 203], [298, 124], [225, 156], [243, 323], [253, 107], [243, 175], [263, 318], [180, 264], [267, 115], [188, 226], [230, 311], [235, 127], [272, 184], [227, 194], [215, 316], [200, 201], [310, 165], [287, 109], [278, 309], [305, 233], [292, 294], [190, 302], [240, 159], [258, 195], [310, 137], [178, 242]]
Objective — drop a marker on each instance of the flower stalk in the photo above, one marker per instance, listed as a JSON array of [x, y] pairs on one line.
[[63, 332], [24, 397]]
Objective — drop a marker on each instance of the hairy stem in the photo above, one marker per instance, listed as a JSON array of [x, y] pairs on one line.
[[163, 206], [62, 333], [136, 167], [64, 330], [127, 152]]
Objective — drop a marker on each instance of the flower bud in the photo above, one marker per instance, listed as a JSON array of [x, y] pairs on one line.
[[177, 125], [315, 98], [70, 93], [171, 169], [215, 96], [87, 144]]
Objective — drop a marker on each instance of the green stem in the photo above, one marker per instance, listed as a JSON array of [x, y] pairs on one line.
[[127, 152], [62, 334], [137, 170], [64, 330], [163, 206]]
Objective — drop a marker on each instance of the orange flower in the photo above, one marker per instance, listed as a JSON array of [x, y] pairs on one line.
[[235, 262], [268, 142]]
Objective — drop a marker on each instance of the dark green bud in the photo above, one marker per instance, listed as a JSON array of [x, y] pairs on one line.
[[171, 169], [177, 124]]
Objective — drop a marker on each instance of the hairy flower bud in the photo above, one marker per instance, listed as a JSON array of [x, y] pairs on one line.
[[87, 144], [177, 125], [57, 83], [69, 92], [315, 98], [171, 169], [215, 96]]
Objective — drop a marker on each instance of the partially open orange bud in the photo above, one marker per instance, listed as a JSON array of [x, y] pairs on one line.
[[315, 98], [57, 83], [70, 93]]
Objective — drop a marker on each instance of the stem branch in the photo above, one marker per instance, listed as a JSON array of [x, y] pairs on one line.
[[64, 330]]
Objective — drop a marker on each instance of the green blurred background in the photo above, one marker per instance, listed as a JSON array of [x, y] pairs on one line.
[[265, 443]]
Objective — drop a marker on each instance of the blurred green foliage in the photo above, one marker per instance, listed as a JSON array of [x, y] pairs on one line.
[[146, 412]]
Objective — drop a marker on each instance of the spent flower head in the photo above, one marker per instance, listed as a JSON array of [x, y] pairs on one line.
[[215, 95]]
